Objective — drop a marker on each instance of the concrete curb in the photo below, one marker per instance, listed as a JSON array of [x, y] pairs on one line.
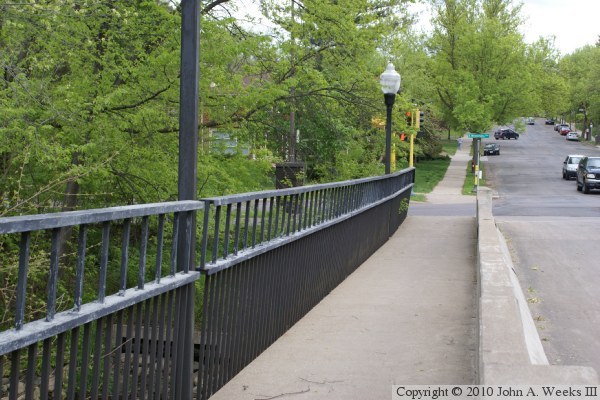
[[510, 350]]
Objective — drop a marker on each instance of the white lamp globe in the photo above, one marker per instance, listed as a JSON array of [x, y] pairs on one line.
[[390, 80]]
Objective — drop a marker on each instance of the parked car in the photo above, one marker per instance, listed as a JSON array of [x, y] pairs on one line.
[[558, 126], [588, 174], [530, 121], [505, 133], [564, 130], [549, 121], [569, 169], [491, 149], [572, 135]]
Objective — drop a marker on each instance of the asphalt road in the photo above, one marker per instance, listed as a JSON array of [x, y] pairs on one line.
[[553, 232]]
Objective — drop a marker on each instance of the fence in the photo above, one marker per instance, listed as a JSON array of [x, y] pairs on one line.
[[114, 319]]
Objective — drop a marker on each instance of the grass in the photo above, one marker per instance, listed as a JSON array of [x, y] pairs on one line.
[[449, 146], [428, 174], [470, 180]]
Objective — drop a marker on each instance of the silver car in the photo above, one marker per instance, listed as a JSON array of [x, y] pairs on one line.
[[569, 169]]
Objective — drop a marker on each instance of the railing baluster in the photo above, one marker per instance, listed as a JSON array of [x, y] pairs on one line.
[[161, 360], [22, 279], [227, 231], [143, 253], [60, 362], [104, 261], [128, 352], [175, 243], [106, 356], [210, 313], [13, 393], [30, 376], [45, 373], [205, 228], [137, 346], [153, 368], [168, 365], [117, 351], [254, 223], [263, 216], [246, 224], [145, 349], [295, 211], [276, 227], [124, 255], [53, 276], [85, 361], [72, 384], [159, 247], [289, 209], [236, 236], [97, 357], [215, 249], [189, 257], [271, 205]]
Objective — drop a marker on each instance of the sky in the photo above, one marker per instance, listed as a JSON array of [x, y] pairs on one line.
[[574, 23]]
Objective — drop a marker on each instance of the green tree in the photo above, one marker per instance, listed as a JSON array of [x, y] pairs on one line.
[[88, 87], [478, 63], [581, 74]]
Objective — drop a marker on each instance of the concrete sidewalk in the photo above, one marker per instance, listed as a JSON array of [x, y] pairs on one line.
[[406, 316], [449, 190]]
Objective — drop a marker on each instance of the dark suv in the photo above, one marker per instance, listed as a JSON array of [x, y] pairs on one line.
[[588, 174], [505, 134]]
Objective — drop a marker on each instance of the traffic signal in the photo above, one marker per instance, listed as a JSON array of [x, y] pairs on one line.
[[408, 119], [421, 119]]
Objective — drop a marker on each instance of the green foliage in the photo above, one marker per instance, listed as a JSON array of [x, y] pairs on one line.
[[478, 64], [429, 146], [581, 72]]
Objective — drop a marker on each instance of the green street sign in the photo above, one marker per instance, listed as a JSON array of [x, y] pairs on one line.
[[479, 135]]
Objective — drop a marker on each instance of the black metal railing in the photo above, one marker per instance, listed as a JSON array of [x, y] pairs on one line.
[[109, 318], [270, 257], [124, 341]]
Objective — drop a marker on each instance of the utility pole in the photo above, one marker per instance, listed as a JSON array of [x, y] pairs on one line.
[[188, 163], [292, 135]]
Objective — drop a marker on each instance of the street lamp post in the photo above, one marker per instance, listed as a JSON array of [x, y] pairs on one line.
[[390, 84]]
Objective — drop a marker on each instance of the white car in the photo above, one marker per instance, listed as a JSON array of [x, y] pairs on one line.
[[569, 169], [572, 136]]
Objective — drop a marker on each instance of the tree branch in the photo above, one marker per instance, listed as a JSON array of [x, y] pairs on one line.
[[139, 103], [212, 5]]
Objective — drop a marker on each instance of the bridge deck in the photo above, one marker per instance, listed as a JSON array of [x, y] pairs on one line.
[[406, 316]]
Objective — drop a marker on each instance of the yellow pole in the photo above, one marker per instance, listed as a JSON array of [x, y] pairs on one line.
[[393, 157], [411, 150], [417, 120]]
